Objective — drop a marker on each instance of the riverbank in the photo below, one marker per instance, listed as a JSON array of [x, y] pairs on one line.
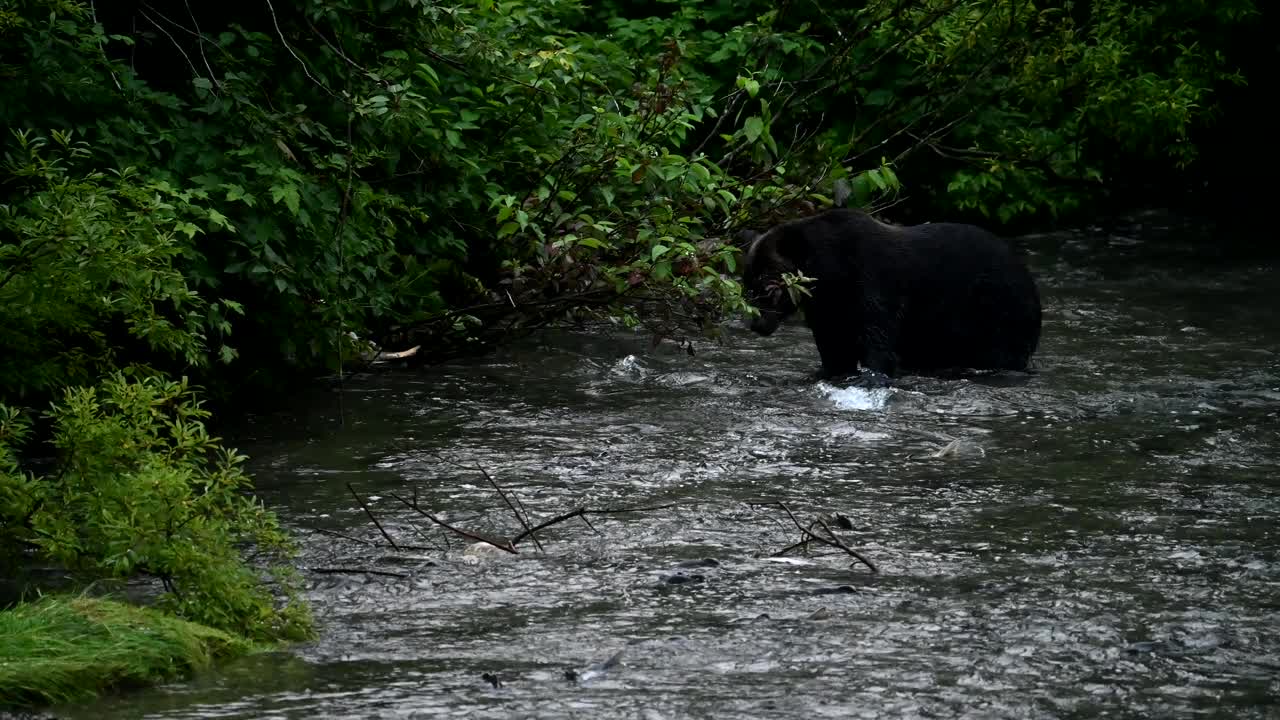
[[73, 648]]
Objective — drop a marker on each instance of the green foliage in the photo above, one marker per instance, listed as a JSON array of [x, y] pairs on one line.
[[1023, 110], [64, 649], [797, 285], [140, 487], [449, 167], [90, 264]]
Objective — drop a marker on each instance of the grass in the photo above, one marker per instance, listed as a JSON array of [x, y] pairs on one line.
[[68, 648]]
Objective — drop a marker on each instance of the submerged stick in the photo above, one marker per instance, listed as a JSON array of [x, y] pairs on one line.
[[548, 523], [334, 533], [368, 512], [583, 512], [506, 545], [841, 544], [520, 517], [808, 534]]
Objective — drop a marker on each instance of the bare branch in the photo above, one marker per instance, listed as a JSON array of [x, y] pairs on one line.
[[808, 534], [505, 545], [275, 21], [194, 72], [368, 512], [520, 517]]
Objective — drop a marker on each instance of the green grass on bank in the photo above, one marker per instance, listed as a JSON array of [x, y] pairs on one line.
[[65, 649]]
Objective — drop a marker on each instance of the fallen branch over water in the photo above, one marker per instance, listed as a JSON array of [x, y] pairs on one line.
[[521, 517], [369, 512], [509, 545], [475, 537], [808, 535], [818, 530]]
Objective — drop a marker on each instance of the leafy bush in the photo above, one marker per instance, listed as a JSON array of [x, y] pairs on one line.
[[140, 487], [90, 265]]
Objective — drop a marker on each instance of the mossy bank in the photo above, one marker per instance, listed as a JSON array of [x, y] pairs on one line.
[[64, 648]]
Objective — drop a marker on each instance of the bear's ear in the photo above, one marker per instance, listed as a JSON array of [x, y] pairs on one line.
[[745, 237]]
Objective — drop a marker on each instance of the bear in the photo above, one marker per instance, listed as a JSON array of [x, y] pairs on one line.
[[926, 299]]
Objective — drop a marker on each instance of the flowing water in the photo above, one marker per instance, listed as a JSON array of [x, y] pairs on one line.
[[1097, 538]]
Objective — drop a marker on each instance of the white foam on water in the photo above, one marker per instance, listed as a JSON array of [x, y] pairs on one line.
[[629, 366], [856, 398]]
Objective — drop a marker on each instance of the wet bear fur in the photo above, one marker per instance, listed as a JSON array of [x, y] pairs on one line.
[[920, 299]]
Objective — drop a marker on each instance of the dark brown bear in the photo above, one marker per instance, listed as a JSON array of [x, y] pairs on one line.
[[917, 299]]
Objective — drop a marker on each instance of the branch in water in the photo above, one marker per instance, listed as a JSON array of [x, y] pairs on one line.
[[807, 535], [369, 512], [520, 517], [506, 545]]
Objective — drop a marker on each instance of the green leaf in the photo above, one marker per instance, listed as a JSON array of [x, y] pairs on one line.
[[878, 97], [220, 220], [658, 251], [753, 127], [288, 194]]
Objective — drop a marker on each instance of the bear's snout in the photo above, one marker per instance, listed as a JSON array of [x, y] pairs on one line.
[[766, 322]]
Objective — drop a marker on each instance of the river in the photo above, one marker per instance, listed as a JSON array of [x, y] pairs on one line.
[[1097, 538]]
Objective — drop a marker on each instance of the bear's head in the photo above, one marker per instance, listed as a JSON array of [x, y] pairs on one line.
[[769, 256]]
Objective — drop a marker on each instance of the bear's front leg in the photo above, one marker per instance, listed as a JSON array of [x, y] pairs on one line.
[[879, 339], [838, 349], [881, 360]]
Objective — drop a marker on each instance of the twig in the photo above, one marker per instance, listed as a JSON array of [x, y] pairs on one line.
[[583, 512], [301, 62], [506, 545], [371, 516], [200, 43], [344, 537], [833, 541], [93, 15], [192, 65], [520, 517], [336, 50], [577, 512], [841, 544], [800, 544]]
